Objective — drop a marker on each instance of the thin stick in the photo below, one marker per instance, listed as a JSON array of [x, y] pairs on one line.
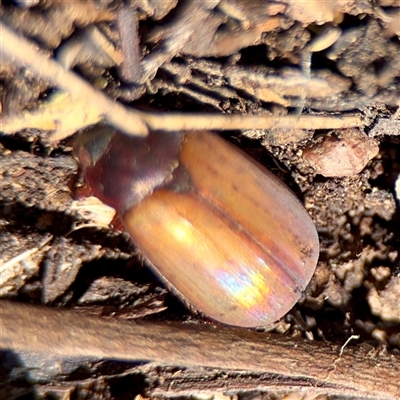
[[24, 53], [128, 28], [307, 364], [137, 123], [179, 121]]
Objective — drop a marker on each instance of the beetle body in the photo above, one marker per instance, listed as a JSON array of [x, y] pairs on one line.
[[214, 224]]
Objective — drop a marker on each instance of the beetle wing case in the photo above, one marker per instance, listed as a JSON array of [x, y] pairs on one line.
[[219, 228]]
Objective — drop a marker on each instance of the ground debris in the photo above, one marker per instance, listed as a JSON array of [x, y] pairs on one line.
[[345, 153], [331, 134]]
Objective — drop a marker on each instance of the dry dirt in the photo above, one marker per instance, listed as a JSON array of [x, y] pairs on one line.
[[238, 57]]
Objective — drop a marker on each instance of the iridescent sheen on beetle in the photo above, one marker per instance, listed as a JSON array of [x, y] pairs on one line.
[[215, 225]]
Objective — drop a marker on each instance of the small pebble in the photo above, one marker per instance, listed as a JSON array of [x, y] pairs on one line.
[[341, 153], [385, 303]]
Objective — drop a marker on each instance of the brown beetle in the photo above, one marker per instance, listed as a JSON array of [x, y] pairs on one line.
[[215, 225]]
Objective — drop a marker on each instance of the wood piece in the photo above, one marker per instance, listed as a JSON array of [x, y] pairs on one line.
[[25, 53], [306, 364], [191, 121]]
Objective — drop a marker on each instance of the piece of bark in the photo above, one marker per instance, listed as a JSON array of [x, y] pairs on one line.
[[317, 367]]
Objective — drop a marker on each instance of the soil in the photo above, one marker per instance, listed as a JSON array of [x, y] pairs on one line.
[[64, 251]]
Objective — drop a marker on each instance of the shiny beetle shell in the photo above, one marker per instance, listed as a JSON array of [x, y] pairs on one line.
[[215, 225]]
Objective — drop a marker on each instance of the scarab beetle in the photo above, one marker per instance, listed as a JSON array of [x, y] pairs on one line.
[[216, 226]]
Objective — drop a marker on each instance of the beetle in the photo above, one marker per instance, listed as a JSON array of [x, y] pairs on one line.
[[217, 227]]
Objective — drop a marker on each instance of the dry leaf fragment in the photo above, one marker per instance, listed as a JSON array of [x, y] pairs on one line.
[[60, 113], [93, 212], [314, 11]]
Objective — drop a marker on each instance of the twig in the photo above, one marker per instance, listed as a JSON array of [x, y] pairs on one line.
[[128, 28], [24, 53], [307, 364], [137, 123], [180, 121]]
